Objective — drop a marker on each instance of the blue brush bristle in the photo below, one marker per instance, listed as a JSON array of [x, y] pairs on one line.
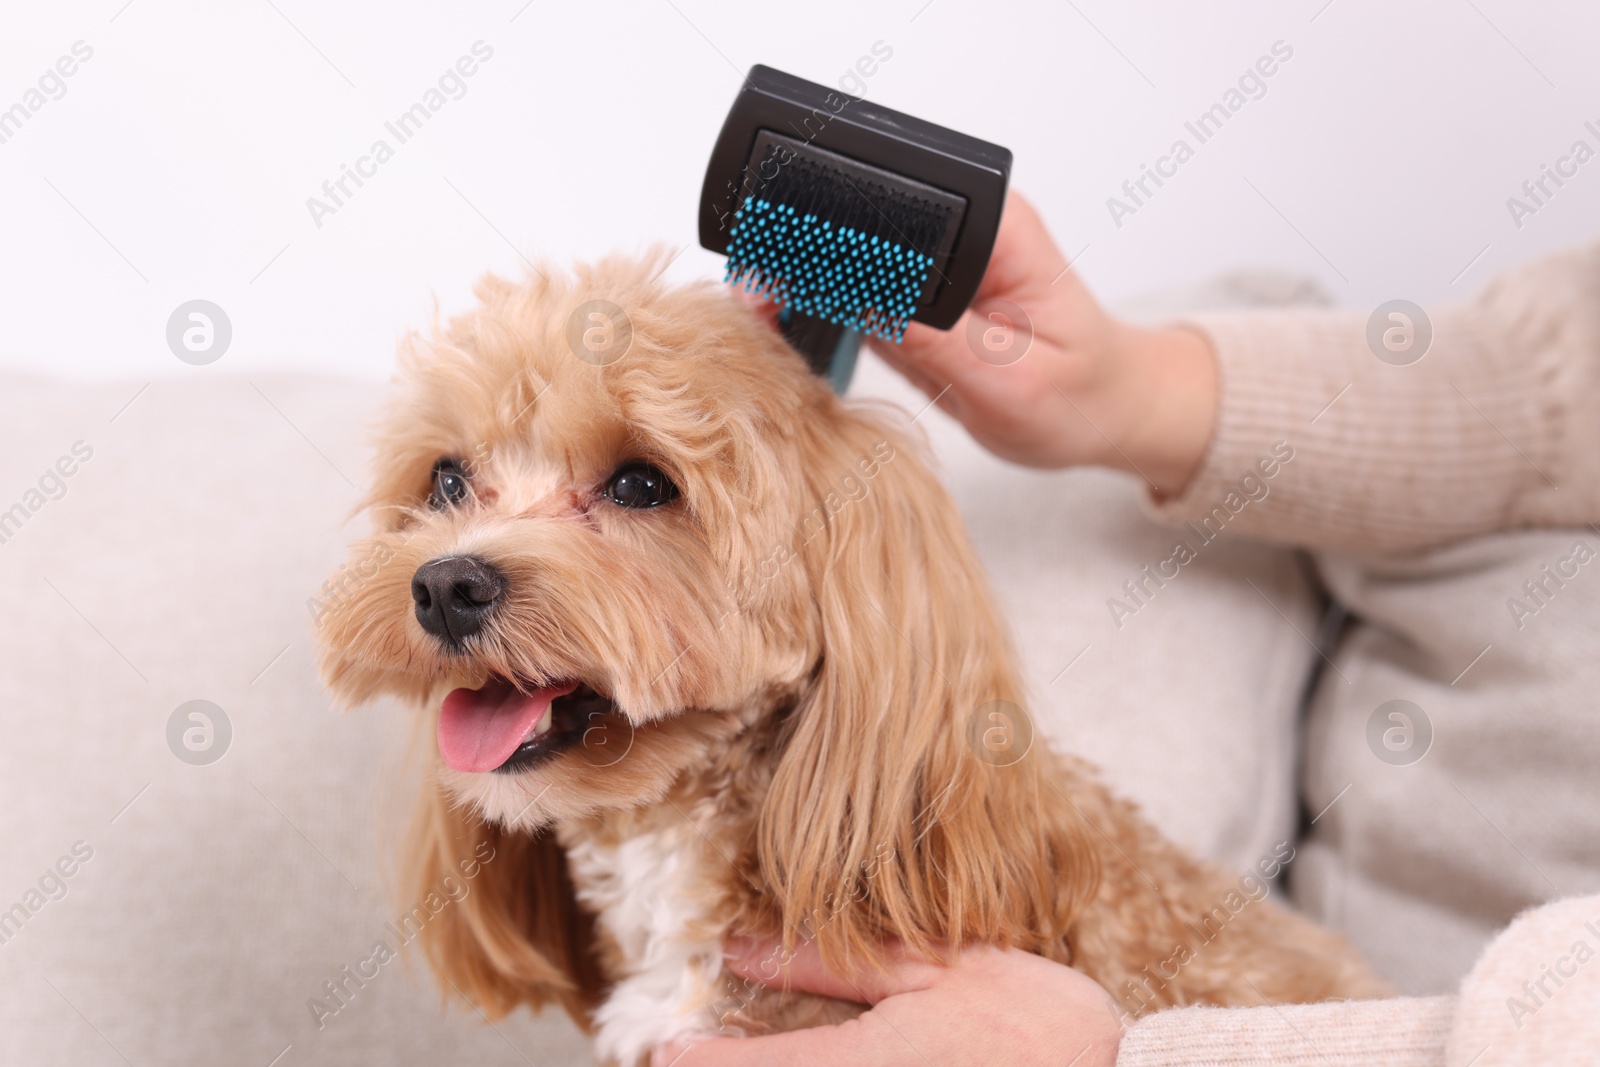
[[833, 272]]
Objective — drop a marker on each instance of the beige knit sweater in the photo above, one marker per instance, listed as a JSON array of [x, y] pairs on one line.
[[1449, 502]]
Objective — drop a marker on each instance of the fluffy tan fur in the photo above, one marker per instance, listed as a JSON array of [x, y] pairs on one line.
[[800, 650]]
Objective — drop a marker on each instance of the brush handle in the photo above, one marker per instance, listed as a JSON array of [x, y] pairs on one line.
[[829, 348]]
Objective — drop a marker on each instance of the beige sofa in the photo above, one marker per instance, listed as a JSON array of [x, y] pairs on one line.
[[208, 905]]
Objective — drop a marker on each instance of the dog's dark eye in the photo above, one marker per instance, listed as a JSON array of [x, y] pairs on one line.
[[449, 485], [640, 485]]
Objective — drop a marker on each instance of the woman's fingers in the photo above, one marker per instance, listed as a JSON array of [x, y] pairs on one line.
[[1025, 257], [864, 1041], [803, 968], [797, 1048], [944, 356]]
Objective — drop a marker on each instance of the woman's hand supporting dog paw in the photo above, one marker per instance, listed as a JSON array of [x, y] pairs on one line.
[[992, 1006], [1063, 383]]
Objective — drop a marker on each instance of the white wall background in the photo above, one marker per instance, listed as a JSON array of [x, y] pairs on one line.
[[178, 163]]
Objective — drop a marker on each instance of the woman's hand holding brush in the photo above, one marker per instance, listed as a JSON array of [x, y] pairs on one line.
[[1087, 388]]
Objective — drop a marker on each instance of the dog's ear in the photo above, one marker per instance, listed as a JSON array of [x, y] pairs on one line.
[[901, 806], [516, 934]]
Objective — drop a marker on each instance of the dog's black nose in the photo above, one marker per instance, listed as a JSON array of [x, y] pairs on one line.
[[455, 595]]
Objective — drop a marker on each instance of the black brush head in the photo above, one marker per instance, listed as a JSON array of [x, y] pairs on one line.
[[849, 212]]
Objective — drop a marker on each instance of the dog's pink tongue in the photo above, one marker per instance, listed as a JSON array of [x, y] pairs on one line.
[[480, 728]]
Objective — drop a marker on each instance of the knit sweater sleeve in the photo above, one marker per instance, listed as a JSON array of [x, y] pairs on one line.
[[1403, 1032], [1495, 425], [1533, 997]]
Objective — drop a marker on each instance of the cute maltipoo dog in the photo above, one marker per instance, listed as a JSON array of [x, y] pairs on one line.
[[707, 653]]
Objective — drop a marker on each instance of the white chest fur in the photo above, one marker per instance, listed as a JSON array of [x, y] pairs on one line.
[[655, 893]]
